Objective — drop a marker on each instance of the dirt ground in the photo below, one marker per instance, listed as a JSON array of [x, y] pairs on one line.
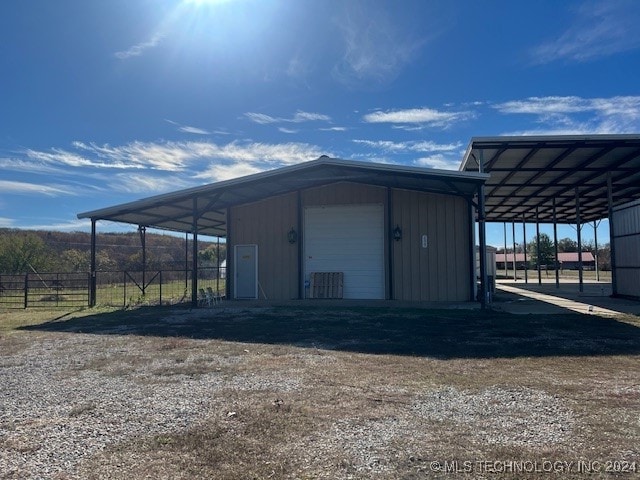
[[307, 393]]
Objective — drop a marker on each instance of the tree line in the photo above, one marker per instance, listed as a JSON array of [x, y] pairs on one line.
[[546, 255], [24, 251]]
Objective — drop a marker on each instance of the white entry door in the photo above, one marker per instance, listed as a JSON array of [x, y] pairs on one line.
[[348, 239], [246, 268]]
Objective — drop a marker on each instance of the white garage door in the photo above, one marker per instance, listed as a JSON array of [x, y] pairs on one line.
[[349, 239]]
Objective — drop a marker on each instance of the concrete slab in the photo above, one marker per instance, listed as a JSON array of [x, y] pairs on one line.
[[545, 298]]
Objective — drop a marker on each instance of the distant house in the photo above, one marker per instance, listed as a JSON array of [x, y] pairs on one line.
[[566, 261], [519, 260], [569, 261]]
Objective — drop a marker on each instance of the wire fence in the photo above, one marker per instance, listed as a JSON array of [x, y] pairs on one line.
[[114, 288]]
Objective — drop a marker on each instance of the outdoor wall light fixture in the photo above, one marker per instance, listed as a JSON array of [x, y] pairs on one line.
[[292, 236], [397, 233]]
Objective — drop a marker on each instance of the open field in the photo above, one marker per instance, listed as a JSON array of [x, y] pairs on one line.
[[309, 392], [114, 289], [566, 275]]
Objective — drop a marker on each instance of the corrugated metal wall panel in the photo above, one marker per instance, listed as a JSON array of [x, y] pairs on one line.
[[439, 272], [343, 193], [266, 224], [626, 233]]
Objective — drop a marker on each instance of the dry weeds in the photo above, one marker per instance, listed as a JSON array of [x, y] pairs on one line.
[[107, 405]]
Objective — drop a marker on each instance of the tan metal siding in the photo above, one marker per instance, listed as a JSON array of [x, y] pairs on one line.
[[441, 271], [626, 225], [343, 193], [266, 224]]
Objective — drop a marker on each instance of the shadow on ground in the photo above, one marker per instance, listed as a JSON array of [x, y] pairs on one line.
[[442, 334]]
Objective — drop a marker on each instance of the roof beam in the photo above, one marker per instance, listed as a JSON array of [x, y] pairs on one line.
[[521, 163]]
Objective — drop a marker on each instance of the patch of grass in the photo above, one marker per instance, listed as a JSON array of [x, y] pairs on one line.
[[431, 333], [251, 443], [82, 408], [366, 392]]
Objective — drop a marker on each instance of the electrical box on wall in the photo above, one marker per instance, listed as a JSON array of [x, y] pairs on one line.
[[424, 241]]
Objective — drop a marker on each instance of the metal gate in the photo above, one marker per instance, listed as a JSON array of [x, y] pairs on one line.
[[44, 290]]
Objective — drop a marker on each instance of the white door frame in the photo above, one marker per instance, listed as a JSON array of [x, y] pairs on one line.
[[236, 263]]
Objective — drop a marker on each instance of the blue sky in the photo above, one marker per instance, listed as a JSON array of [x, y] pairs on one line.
[[108, 101]]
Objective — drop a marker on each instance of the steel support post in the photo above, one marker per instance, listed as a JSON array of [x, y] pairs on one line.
[[538, 247], [504, 224], [513, 237], [194, 255], [92, 283], [595, 244], [142, 230], [555, 245], [524, 249], [482, 234], [579, 229], [612, 237]]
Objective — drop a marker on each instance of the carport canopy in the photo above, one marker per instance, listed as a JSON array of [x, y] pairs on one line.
[[203, 210], [577, 174]]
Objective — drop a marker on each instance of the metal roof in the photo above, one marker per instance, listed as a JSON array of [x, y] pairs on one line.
[[208, 204], [528, 173]]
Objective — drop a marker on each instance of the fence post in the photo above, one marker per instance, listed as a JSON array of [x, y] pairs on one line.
[[124, 289], [26, 290], [160, 287]]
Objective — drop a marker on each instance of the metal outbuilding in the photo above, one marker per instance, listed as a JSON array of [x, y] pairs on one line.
[[400, 232], [393, 232]]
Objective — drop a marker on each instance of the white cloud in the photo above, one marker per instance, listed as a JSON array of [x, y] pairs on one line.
[[299, 117], [137, 50], [146, 183], [282, 153], [424, 116], [25, 165], [261, 118], [439, 161], [194, 130], [600, 28], [218, 172], [410, 146], [334, 129], [576, 115], [20, 188], [174, 156], [6, 222], [287, 130], [375, 50], [67, 225], [188, 129]]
